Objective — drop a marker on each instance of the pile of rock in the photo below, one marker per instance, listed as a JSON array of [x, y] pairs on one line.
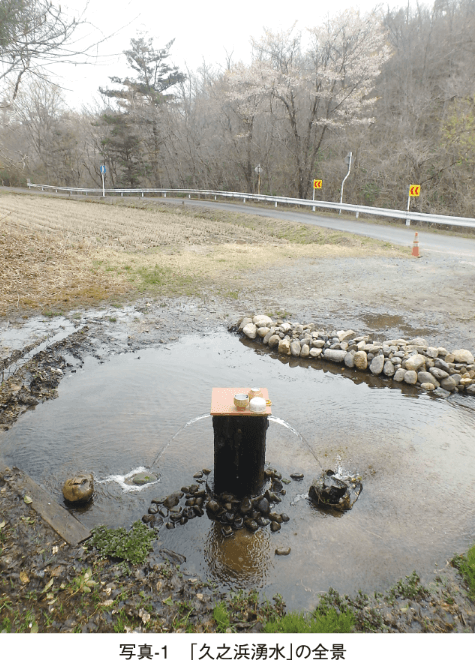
[[410, 361], [232, 513], [251, 512]]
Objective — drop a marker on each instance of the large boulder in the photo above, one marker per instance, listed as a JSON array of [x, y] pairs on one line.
[[268, 336], [399, 375], [315, 352], [284, 346], [262, 331], [262, 320], [318, 343], [419, 342], [274, 340], [345, 335], [349, 359], [361, 360], [463, 356], [377, 364], [448, 384], [410, 377], [438, 373], [305, 351], [389, 368], [250, 330], [336, 355], [415, 362], [244, 321], [79, 489], [294, 348]]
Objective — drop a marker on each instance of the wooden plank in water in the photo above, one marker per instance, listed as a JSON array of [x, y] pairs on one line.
[[60, 519]]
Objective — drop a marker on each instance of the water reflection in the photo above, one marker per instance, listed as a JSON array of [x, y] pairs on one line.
[[241, 560]]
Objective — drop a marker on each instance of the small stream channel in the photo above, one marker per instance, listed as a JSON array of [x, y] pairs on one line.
[[415, 454]]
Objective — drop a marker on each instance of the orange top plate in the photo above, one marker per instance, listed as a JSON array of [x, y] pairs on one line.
[[222, 402]]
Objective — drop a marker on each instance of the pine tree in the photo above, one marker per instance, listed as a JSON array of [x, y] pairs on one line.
[[142, 98]]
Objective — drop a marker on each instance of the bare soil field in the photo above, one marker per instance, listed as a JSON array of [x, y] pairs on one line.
[[59, 254]]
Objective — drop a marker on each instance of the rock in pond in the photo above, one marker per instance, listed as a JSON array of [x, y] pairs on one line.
[[143, 478], [172, 499], [173, 557], [79, 489], [282, 551], [328, 490]]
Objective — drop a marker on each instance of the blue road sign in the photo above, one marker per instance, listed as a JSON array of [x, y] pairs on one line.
[[103, 170]]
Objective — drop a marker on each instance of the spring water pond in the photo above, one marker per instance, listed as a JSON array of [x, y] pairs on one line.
[[414, 453]]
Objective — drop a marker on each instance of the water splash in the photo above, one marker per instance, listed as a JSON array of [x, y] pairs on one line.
[[299, 497], [193, 420], [281, 421], [343, 474], [120, 480]]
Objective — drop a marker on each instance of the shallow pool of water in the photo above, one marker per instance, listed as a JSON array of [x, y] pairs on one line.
[[416, 456]]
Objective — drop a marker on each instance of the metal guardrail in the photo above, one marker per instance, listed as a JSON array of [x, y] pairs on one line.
[[355, 209]]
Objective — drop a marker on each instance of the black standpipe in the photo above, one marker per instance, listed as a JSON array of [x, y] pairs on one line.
[[239, 454]]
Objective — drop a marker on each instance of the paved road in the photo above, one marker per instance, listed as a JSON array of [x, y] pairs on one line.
[[404, 236]]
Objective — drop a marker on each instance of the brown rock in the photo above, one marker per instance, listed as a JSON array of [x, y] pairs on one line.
[[78, 489]]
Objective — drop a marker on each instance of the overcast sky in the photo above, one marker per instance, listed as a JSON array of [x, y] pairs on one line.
[[203, 30]]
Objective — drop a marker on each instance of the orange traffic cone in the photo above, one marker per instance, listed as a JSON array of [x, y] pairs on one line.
[[415, 247]]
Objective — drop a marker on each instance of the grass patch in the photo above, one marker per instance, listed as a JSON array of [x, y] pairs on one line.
[[410, 588], [466, 567], [221, 616], [328, 622], [51, 313], [133, 545]]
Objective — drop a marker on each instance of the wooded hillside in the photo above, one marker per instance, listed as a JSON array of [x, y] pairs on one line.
[[396, 88]]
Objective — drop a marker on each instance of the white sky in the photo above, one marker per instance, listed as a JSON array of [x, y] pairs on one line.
[[203, 30]]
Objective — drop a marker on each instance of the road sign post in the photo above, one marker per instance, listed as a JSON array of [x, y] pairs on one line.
[[103, 172], [348, 162], [317, 183], [414, 191], [258, 169]]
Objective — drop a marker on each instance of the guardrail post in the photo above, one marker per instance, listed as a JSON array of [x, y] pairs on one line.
[[357, 214], [275, 204], [121, 194], [165, 194]]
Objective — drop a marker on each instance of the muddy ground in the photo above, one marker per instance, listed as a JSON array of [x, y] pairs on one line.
[[364, 286]]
